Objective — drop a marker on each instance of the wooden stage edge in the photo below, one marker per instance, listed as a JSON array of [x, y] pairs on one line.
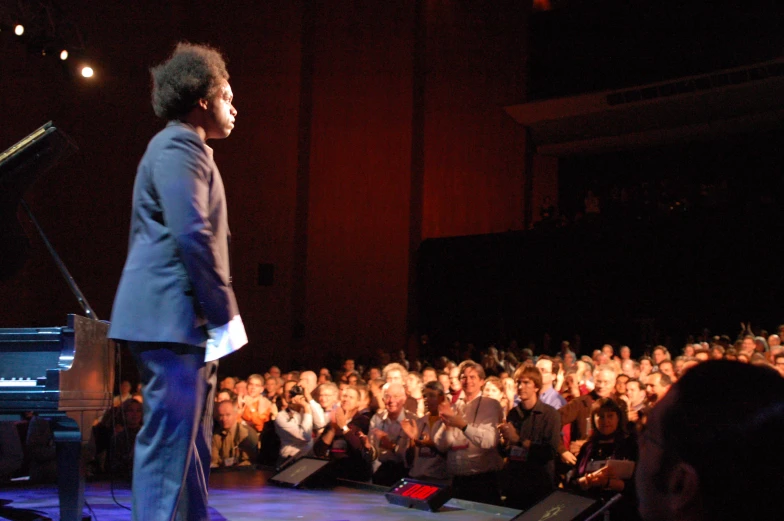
[[245, 495]]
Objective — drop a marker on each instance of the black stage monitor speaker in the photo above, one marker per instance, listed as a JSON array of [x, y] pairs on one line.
[[560, 506], [421, 495], [301, 471]]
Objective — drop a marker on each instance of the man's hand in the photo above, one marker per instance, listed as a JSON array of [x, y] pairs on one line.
[[508, 433], [339, 419], [450, 417], [576, 445], [410, 428], [568, 458], [383, 439]]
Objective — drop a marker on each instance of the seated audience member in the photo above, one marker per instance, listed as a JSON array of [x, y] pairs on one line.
[[125, 393], [233, 444], [271, 389], [327, 395], [469, 434], [256, 409], [456, 394], [309, 381], [712, 455], [635, 399], [549, 369], [656, 386], [659, 354], [668, 368], [376, 395], [413, 389], [294, 423], [578, 411], [494, 388], [241, 390], [646, 368], [778, 363], [228, 383], [429, 375], [425, 461], [620, 385], [124, 440], [531, 436], [397, 373], [594, 476], [389, 438], [345, 440], [373, 373], [324, 376]]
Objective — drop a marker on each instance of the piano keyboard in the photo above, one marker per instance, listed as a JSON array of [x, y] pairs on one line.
[[18, 382]]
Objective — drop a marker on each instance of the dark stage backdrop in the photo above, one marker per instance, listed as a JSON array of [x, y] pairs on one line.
[[348, 112]]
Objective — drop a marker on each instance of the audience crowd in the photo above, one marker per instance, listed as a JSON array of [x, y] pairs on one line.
[[507, 428]]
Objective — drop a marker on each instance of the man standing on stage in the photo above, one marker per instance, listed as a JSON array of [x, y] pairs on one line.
[[175, 297]]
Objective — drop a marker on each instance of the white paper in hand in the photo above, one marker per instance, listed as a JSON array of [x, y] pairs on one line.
[[225, 339]]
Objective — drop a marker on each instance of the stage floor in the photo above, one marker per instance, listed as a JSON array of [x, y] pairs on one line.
[[245, 496]]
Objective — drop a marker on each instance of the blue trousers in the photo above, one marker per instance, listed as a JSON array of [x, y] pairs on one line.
[[172, 456]]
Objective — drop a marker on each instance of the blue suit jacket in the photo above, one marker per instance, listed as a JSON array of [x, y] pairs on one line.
[[176, 278]]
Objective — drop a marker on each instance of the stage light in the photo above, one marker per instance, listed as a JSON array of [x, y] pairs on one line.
[[87, 72], [64, 55], [19, 29]]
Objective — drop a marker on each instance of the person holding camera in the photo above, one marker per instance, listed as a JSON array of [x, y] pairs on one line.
[[294, 423]]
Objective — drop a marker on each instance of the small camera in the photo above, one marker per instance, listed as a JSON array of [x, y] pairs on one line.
[[296, 391]]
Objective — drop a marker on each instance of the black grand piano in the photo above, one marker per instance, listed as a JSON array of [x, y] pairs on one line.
[[63, 373]]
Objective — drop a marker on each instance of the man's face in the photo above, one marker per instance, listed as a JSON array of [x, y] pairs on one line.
[[395, 377], [394, 399], [349, 400], [620, 384], [635, 394], [652, 501], [412, 385], [125, 388], [432, 399], [654, 389], [228, 383], [666, 368], [526, 389], [454, 380], [429, 375], [307, 380], [220, 113], [748, 345], [607, 349], [472, 382], [626, 353], [274, 371], [374, 373], [604, 383], [569, 360], [658, 356], [254, 387], [271, 386], [241, 388], [222, 396], [546, 368], [348, 365], [327, 398], [779, 363], [227, 415], [645, 366]]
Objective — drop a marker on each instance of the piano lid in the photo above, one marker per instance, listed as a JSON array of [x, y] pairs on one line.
[[20, 166]]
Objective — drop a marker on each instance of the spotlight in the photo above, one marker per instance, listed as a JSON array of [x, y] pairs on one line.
[[64, 55], [19, 29], [87, 72]]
